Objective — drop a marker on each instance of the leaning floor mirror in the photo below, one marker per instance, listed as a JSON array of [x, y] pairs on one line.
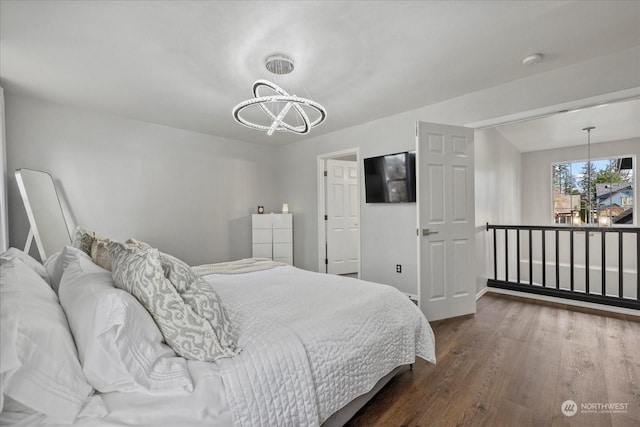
[[42, 205]]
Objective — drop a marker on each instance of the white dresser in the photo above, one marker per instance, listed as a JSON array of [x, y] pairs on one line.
[[272, 237]]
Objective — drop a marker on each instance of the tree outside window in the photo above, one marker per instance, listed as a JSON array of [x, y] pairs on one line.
[[604, 198]]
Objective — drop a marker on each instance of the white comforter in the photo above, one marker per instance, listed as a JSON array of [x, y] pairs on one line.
[[312, 343], [206, 406], [298, 365]]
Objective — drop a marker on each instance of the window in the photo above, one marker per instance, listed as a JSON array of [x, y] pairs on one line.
[[600, 192]]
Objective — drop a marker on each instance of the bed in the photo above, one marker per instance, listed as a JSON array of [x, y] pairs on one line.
[[311, 344], [308, 349]]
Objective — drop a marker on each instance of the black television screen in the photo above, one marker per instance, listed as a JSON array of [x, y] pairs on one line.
[[391, 178]]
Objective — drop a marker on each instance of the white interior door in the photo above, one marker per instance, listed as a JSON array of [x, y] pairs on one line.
[[342, 217], [446, 220]]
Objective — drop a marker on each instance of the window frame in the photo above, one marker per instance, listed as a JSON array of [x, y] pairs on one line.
[[634, 182]]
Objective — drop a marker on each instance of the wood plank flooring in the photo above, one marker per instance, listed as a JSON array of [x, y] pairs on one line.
[[514, 363]]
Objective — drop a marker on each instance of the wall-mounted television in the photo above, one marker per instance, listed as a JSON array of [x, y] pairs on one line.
[[391, 178]]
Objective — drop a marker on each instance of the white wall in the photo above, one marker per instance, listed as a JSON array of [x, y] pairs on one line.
[[498, 164], [190, 194], [382, 226], [388, 232]]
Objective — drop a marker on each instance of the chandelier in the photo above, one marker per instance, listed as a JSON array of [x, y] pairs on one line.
[[284, 112]]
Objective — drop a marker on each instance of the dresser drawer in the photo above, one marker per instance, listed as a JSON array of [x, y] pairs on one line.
[[261, 221], [282, 220], [261, 235], [262, 250], [282, 235], [282, 250]]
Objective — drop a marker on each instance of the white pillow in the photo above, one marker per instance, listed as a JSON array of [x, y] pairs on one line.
[[49, 379], [57, 262], [34, 264], [119, 344], [9, 359]]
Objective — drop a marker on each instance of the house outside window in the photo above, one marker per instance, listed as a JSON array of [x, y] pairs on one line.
[[606, 199]]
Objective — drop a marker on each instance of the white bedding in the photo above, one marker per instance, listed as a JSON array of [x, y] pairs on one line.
[[311, 343], [345, 335], [206, 406]]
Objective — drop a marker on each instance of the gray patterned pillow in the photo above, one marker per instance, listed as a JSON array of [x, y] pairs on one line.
[[100, 254], [92, 244], [199, 295], [83, 239], [185, 329], [138, 244]]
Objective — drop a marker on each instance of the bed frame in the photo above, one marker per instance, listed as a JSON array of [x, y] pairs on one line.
[[340, 418]]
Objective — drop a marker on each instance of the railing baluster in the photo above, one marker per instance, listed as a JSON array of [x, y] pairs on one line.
[[586, 261], [495, 255], [530, 259], [557, 259], [518, 254], [620, 265], [604, 263], [571, 262], [544, 259], [506, 254]]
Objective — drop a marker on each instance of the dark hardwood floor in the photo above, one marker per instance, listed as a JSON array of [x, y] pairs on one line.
[[514, 363]]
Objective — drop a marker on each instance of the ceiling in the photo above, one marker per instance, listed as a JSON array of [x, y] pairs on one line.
[[612, 121], [185, 64]]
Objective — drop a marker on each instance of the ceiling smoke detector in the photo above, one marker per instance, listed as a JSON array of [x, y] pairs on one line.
[[279, 63], [532, 59]]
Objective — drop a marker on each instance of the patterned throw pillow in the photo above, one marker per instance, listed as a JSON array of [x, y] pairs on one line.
[[100, 254], [83, 239], [138, 244], [199, 296], [93, 245], [183, 324]]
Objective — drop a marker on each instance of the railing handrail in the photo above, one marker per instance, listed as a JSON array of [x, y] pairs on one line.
[[604, 296], [616, 229]]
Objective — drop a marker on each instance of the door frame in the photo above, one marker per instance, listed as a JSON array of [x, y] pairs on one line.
[[322, 237]]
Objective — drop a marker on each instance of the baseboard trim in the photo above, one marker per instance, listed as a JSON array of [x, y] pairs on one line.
[[575, 303], [482, 292]]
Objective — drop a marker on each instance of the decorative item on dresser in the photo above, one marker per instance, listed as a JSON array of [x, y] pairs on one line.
[[272, 237]]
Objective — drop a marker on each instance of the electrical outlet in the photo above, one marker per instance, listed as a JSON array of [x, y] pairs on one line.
[[398, 268]]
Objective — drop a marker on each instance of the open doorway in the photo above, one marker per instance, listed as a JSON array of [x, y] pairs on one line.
[[339, 213]]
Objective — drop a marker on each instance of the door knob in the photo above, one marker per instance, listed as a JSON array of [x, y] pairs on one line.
[[427, 232]]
